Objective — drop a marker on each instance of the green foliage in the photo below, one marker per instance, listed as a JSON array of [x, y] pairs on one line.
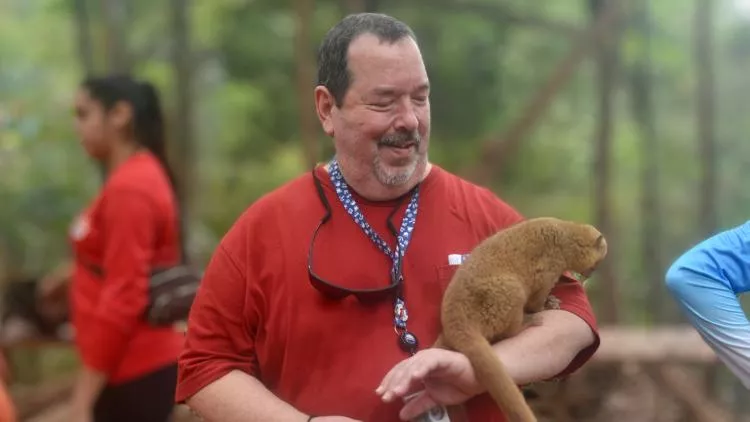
[[44, 175]]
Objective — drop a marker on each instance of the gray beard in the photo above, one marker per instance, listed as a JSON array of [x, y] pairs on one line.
[[395, 177]]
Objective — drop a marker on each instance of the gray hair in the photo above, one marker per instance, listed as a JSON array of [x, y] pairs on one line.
[[333, 70]]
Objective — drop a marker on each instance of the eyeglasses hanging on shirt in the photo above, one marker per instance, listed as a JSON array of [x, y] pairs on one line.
[[407, 340]]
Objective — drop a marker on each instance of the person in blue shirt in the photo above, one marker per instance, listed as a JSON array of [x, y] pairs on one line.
[[706, 281]]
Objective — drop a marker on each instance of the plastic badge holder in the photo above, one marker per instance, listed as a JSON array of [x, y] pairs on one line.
[[436, 414]]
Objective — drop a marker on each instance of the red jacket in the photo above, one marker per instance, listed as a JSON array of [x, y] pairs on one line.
[[130, 227], [7, 408], [257, 312]]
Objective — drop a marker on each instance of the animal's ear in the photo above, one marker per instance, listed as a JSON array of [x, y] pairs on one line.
[[599, 241]]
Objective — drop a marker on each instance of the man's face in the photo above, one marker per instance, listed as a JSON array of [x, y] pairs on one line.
[[382, 128]]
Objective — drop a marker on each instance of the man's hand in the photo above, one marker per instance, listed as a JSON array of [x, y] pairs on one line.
[[446, 378]]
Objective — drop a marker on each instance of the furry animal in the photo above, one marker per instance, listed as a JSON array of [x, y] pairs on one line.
[[495, 293]]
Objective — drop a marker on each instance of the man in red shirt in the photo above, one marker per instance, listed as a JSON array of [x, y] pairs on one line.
[[322, 300]]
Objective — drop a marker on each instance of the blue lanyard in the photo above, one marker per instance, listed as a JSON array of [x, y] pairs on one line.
[[407, 340]]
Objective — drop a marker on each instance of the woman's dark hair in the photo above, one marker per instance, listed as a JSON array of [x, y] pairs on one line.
[[148, 119]]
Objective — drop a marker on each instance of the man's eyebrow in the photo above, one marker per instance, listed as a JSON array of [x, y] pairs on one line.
[[423, 87], [384, 91]]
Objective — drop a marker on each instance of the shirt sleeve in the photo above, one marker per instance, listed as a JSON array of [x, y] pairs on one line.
[[705, 281], [129, 225], [573, 299], [223, 320]]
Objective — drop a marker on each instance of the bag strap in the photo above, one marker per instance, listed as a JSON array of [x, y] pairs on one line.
[[181, 230], [99, 271]]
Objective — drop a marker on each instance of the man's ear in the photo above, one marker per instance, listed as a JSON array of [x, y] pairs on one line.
[[324, 105]]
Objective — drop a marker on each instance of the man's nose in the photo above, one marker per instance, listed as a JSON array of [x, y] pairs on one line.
[[406, 120]]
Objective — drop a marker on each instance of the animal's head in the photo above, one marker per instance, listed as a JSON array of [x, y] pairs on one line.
[[584, 247]]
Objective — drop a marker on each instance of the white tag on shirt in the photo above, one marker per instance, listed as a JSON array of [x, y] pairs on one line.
[[457, 259]]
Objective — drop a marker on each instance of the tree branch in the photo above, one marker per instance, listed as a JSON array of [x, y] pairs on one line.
[[505, 15], [499, 149]]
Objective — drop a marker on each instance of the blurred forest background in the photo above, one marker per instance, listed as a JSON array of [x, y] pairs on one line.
[[629, 114]]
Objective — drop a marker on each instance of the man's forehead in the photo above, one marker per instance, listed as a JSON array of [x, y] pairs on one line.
[[368, 47], [386, 64]]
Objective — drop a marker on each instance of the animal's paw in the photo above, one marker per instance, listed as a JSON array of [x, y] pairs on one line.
[[552, 302]]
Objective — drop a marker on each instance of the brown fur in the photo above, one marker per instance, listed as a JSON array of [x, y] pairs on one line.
[[506, 280]]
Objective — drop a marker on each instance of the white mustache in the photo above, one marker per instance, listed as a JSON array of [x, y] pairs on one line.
[[401, 141]]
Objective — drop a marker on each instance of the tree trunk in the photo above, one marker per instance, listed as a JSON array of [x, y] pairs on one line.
[[83, 35], [305, 77], [115, 26], [354, 6], [644, 114], [704, 59], [606, 69], [183, 147], [371, 6]]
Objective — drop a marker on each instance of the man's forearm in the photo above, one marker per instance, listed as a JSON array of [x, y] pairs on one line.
[[705, 281], [238, 397], [716, 313], [541, 352]]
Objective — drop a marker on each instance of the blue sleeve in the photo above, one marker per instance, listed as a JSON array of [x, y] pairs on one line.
[[705, 281]]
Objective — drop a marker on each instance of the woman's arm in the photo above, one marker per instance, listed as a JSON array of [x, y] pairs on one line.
[[129, 221], [55, 283]]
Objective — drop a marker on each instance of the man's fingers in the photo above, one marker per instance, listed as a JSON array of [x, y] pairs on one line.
[[402, 380], [416, 406], [388, 378], [399, 382], [406, 376]]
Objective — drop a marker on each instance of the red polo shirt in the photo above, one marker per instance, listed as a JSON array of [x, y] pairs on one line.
[[130, 227], [257, 312]]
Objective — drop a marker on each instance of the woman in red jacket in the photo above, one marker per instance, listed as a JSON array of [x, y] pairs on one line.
[[7, 408], [128, 367]]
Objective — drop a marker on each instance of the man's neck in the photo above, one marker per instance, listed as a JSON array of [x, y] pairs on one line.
[[372, 190]]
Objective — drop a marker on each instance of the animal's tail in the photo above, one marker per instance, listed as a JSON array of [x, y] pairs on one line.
[[492, 375]]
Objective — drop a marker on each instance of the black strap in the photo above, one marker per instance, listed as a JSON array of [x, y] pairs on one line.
[[99, 271], [181, 230]]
